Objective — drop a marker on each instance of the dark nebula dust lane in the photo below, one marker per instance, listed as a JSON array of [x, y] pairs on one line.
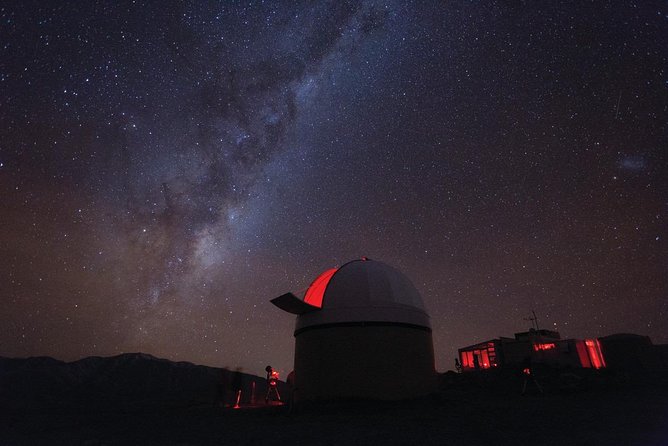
[[167, 168]]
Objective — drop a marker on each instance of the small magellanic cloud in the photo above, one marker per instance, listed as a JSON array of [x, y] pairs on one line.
[[633, 163]]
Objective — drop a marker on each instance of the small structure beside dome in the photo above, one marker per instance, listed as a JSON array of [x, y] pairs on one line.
[[362, 332]]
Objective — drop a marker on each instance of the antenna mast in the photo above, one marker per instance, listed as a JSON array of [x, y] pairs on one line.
[[534, 320]]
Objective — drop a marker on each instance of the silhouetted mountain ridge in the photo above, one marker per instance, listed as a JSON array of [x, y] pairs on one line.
[[128, 379]]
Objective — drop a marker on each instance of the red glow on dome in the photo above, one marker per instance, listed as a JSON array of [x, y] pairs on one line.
[[316, 291]]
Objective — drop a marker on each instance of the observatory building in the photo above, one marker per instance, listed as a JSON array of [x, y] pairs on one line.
[[362, 332]]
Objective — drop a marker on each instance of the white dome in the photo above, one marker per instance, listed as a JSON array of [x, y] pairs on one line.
[[364, 291]]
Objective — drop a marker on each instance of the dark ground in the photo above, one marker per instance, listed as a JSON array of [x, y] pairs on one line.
[[468, 410]]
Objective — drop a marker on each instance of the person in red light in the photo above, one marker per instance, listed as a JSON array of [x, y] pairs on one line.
[[272, 384]]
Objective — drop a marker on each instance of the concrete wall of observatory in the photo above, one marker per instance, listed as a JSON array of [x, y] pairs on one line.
[[376, 361]]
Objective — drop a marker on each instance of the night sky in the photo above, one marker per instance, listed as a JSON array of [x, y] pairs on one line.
[[167, 168]]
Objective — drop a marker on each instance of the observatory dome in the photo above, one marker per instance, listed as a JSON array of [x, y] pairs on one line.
[[363, 291], [362, 332]]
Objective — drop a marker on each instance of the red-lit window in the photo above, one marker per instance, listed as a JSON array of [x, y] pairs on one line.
[[484, 363], [467, 360], [482, 358], [582, 354], [594, 353], [316, 291], [491, 352]]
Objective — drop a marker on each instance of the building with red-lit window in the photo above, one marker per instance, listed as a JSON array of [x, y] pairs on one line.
[[361, 332], [538, 346]]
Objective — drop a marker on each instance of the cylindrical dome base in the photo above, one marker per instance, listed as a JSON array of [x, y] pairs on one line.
[[369, 360]]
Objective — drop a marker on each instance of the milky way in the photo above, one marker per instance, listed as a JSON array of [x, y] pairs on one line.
[[167, 168]]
